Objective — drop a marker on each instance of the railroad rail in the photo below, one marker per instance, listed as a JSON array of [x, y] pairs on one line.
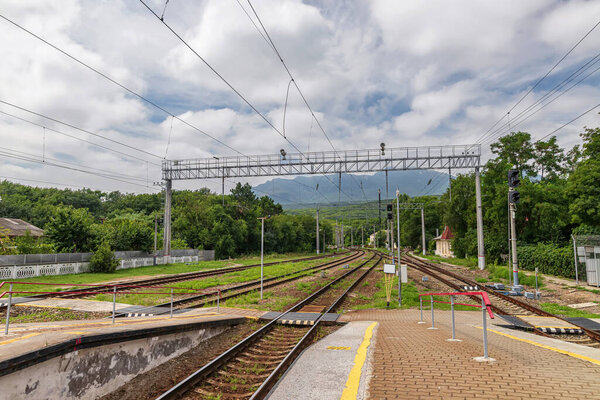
[[161, 281], [197, 301], [251, 368], [508, 305]]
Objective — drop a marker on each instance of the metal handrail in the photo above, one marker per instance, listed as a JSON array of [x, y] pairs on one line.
[[485, 305]]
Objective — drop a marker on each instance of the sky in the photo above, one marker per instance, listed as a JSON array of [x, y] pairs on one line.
[[407, 73]]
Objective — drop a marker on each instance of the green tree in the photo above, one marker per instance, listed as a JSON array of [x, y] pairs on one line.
[[103, 259], [548, 158], [583, 186], [70, 229], [516, 149]]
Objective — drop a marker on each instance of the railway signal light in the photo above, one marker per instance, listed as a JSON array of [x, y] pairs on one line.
[[514, 196], [390, 215], [513, 178]]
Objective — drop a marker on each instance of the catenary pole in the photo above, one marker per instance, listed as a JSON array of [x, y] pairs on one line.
[[479, 212]]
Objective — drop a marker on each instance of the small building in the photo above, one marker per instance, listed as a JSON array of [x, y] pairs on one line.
[[443, 243], [14, 227]]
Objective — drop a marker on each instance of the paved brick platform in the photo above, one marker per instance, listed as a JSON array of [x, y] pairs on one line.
[[413, 362]]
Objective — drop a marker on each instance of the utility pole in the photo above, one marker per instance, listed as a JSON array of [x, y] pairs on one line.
[[317, 229], [262, 248], [509, 261], [513, 199], [423, 229], [379, 193], [167, 217], [155, 236], [351, 236], [399, 268], [480, 245], [342, 237], [362, 235]]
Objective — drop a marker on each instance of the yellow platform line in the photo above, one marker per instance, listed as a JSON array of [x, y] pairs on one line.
[[351, 390], [543, 346], [19, 338]]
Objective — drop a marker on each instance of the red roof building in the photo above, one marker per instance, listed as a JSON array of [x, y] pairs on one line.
[[443, 243]]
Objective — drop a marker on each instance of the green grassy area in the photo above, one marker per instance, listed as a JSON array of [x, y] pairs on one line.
[[470, 262], [45, 315], [249, 274], [566, 311], [92, 278], [410, 298]]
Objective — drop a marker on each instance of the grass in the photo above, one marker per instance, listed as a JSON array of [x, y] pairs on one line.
[[94, 278], [465, 262], [58, 314], [566, 312], [247, 275]]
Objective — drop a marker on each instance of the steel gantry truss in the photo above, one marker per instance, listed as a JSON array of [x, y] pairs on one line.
[[324, 162], [327, 162]]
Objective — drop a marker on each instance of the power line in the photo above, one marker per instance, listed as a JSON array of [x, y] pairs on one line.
[[515, 122], [77, 138], [48, 182], [222, 78], [568, 123], [79, 129], [22, 158], [292, 79], [542, 78], [105, 76]]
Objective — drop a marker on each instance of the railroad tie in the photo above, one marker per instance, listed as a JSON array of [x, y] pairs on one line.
[[560, 330]]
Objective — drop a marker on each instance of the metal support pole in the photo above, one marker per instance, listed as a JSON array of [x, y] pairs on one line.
[[262, 247], [317, 229], [432, 318], [351, 236], [452, 309], [223, 189], [479, 212], [342, 237], [423, 230], [171, 316], [398, 228], [10, 289], [421, 308], [362, 236], [167, 217], [114, 303], [219, 301], [155, 236], [509, 262], [483, 311], [536, 281], [576, 263], [513, 238]]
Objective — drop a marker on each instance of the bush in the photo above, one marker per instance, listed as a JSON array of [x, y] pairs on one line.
[[103, 259], [549, 259]]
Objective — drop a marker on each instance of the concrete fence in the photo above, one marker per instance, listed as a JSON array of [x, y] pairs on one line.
[[127, 260]]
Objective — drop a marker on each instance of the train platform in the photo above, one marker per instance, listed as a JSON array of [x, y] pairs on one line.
[[402, 359], [31, 339]]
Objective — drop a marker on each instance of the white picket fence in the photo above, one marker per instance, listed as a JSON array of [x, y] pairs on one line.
[[30, 271]]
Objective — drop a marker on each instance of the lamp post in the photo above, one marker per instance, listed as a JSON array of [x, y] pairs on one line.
[[262, 248], [398, 227]]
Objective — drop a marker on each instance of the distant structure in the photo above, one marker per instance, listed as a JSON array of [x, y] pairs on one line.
[[13, 227], [443, 243]]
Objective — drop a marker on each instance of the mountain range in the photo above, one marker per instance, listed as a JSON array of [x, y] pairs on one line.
[[301, 191]]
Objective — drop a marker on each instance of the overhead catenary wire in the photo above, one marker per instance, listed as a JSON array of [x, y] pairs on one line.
[[542, 78], [528, 113], [77, 138], [271, 43], [568, 123], [122, 86], [79, 129]]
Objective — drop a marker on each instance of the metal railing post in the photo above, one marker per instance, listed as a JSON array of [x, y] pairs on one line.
[[8, 309], [171, 316], [483, 311], [219, 301], [452, 309], [114, 302], [421, 307], [432, 317]]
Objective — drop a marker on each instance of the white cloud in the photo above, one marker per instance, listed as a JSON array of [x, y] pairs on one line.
[[405, 73]]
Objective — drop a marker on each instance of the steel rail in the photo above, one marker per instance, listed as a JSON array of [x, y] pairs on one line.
[[197, 377], [73, 293], [273, 281], [522, 304]]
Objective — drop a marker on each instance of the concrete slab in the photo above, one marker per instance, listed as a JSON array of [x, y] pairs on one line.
[[24, 338], [72, 304], [546, 322], [322, 371]]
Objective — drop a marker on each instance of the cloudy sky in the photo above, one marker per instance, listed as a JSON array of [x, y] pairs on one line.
[[407, 73]]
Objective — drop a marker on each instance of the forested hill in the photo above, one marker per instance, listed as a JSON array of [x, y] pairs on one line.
[[300, 192]]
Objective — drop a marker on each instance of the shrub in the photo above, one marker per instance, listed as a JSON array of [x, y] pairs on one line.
[[549, 259], [103, 259]]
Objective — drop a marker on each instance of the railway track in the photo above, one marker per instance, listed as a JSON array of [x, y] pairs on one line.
[[197, 301], [77, 292], [502, 304], [251, 368]]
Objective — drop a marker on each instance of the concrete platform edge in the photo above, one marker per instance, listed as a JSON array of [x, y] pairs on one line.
[[35, 357]]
